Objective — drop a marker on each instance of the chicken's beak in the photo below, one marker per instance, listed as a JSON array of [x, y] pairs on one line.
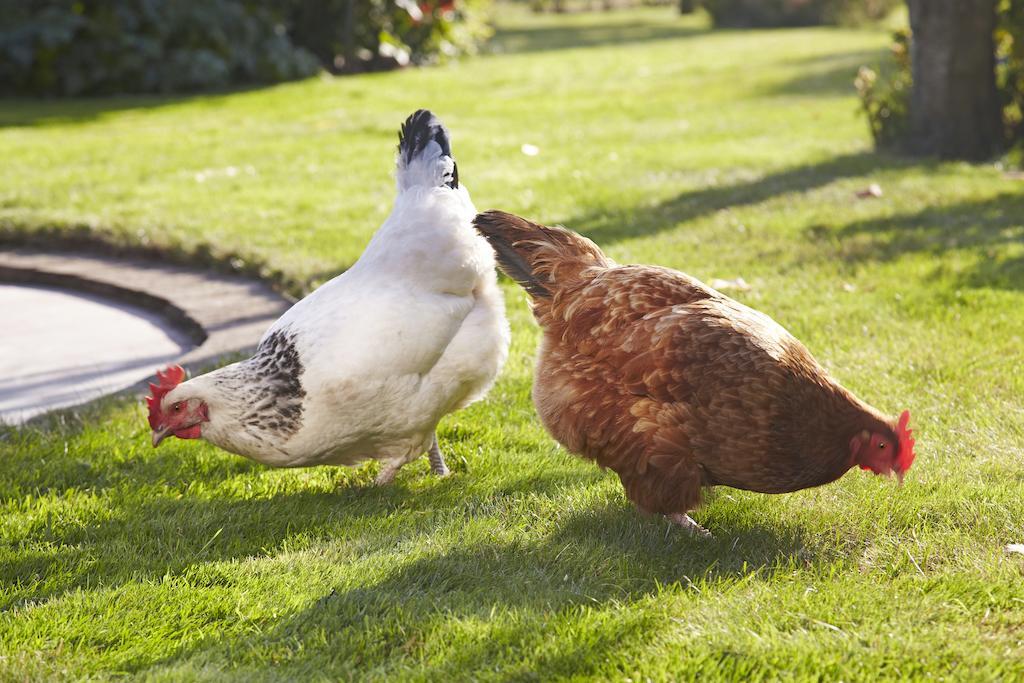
[[899, 477], [159, 435]]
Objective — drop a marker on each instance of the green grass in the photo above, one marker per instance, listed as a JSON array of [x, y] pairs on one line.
[[723, 154]]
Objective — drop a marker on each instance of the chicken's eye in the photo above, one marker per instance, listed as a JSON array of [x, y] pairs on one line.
[[881, 445], [177, 407]]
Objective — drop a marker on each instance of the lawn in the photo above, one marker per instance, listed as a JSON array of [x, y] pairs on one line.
[[724, 154]]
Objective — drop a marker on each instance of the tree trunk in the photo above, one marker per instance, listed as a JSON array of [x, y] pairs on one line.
[[954, 110], [687, 6]]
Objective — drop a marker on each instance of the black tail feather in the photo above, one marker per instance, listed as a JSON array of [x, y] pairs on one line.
[[490, 224], [417, 132]]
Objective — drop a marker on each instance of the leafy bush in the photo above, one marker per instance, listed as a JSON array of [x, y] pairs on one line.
[[359, 35], [756, 13], [1010, 69], [88, 47], [560, 6], [98, 47], [885, 98]]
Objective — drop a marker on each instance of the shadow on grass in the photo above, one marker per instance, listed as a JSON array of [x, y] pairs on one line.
[[25, 112], [169, 532], [193, 512], [991, 229], [641, 221], [614, 32], [595, 560], [42, 112], [827, 74], [25, 473], [594, 557]]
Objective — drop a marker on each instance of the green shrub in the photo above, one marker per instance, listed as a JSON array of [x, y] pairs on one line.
[[1010, 68], [359, 35], [89, 47], [99, 47], [886, 100], [758, 13]]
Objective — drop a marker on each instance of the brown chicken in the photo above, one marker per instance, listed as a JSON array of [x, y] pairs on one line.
[[675, 386]]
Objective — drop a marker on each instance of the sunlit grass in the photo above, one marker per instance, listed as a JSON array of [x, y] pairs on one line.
[[724, 154]]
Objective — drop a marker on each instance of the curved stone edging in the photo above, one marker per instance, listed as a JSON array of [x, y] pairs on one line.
[[223, 315], [178, 318]]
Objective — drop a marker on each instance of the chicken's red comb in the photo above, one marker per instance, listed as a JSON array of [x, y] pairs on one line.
[[168, 378], [906, 440]]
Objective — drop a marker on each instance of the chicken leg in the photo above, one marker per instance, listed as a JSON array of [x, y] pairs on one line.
[[685, 521], [437, 464], [386, 475]]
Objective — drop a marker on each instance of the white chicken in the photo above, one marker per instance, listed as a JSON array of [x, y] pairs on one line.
[[367, 365]]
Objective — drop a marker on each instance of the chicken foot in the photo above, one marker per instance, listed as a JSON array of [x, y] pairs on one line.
[[386, 475], [686, 522], [437, 464]]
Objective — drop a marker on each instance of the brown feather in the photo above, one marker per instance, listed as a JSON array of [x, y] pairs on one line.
[[671, 384]]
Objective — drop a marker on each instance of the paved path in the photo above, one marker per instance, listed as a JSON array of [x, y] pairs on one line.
[[60, 349], [113, 323]]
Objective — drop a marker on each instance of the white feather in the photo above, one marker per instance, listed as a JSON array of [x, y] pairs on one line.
[[414, 330], [431, 168]]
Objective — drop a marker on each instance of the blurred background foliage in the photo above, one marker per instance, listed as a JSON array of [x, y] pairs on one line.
[[99, 47], [748, 13], [94, 47], [885, 92], [1010, 70], [767, 13], [560, 6]]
